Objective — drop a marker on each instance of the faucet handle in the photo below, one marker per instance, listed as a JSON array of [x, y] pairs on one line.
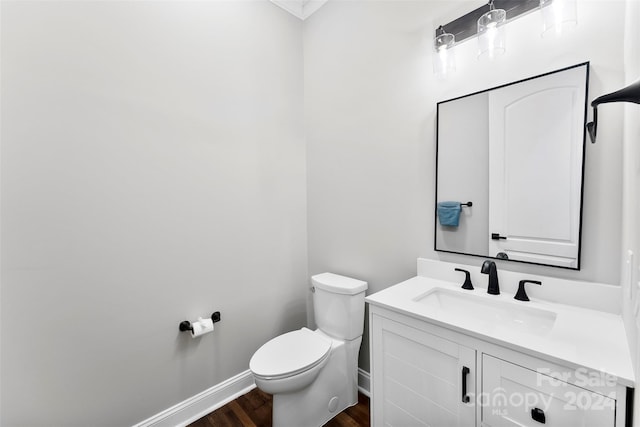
[[467, 280], [521, 295]]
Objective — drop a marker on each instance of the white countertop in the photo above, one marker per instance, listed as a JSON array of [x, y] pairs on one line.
[[580, 337]]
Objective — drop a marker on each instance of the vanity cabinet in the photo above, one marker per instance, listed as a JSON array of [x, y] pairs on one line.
[[423, 374], [420, 378], [518, 397]]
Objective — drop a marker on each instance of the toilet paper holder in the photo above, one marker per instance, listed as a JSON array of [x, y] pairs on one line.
[[185, 325]]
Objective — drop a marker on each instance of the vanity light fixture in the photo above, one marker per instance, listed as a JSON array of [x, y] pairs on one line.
[[558, 15], [491, 32], [445, 60], [488, 26], [630, 93]]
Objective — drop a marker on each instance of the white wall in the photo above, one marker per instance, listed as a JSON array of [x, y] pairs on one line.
[[370, 100], [630, 272], [153, 170]]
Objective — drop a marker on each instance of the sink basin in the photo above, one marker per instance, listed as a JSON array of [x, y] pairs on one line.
[[487, 312]]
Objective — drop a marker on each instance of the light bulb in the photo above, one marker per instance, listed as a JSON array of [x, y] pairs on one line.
[[491, 33], [444, 59], [558, 16]]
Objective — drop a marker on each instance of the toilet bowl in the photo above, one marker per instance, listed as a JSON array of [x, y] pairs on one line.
[[290, 362], [312, 375]]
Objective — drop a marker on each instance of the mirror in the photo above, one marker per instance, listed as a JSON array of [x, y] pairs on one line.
[[516, 153]]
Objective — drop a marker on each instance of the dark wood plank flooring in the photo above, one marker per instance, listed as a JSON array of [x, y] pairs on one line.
[[254, 410]]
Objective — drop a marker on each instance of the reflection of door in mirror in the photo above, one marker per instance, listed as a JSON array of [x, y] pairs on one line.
[[515, 151], [534, 186]]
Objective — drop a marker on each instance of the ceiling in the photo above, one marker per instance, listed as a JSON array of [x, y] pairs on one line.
[[300, 8]]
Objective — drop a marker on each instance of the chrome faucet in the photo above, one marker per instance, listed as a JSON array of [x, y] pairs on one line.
[[489, 267]]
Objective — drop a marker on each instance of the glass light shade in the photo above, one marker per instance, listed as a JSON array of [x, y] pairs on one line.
[[444, 61], [558, 16], [491, 34]]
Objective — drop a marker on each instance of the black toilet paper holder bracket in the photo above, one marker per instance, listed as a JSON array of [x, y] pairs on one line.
[[185, 325]]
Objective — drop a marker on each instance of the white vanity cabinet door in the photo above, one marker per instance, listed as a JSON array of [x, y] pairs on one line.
[[417, 378], [510, 393]]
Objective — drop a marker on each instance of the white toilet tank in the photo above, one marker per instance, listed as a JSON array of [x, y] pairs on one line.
[[338, 303]]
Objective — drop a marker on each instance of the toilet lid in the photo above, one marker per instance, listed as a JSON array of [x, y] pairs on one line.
[[289, 354]]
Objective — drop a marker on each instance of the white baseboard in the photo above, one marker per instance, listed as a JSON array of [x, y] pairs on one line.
[[217, 396], [202, 403], [364, 382]]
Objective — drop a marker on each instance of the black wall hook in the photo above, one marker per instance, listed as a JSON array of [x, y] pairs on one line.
[[630, 93], [185, 325], [469, 204]]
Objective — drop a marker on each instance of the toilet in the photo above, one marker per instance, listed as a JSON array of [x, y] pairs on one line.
[[313, 375]]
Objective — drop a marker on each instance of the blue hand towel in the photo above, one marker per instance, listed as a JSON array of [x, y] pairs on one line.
[[449, 213]]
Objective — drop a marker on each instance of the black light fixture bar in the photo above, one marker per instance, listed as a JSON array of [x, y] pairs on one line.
[[467, 25]]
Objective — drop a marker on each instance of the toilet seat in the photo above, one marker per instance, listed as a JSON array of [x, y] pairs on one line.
[[290, 354]]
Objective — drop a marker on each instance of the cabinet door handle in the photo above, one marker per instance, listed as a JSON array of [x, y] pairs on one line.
[[497, 236], [538, 415], [465, 371]]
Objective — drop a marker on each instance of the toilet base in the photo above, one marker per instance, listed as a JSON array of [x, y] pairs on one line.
[[334, 390]]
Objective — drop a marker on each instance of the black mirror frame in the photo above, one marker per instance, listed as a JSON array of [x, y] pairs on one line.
[[586, 127]]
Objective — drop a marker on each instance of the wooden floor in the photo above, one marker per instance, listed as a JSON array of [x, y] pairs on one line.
[[254, 410]]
